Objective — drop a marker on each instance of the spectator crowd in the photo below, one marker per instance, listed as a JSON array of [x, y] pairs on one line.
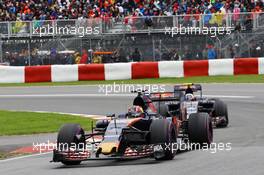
[[52, 57], [24, 58], [11, 10]]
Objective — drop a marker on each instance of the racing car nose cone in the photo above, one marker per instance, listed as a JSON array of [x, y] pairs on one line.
[[108, 148]]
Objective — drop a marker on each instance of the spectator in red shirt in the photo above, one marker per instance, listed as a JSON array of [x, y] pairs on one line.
[[84, 59]]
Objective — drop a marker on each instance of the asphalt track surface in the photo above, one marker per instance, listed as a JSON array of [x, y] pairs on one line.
[[245, 133]]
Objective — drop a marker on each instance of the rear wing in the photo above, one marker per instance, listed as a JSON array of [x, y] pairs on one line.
[[164, 96], [183, 87]]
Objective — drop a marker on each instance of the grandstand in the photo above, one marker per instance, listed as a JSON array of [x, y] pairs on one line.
[[35, 32]]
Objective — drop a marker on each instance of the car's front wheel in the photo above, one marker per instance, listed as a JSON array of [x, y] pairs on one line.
[[70, 134], [163, 136]]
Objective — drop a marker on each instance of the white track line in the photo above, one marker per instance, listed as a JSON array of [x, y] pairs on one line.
[[96, 117], [22, 157], [64, 95], [229, 96], [102, 95]]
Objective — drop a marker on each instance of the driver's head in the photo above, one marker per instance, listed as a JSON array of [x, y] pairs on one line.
[[136, 111], [189, 97]]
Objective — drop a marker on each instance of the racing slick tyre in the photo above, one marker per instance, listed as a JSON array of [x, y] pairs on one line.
[[70, 134], [163, 135], [221, 111], [163, 109], [200, 128], [101, 124]]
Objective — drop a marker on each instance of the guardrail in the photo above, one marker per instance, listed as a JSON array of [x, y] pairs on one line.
[[130, 24], [135, 70]]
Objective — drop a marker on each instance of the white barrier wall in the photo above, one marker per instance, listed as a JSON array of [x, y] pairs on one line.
[[221, 67], [261, 65], [60, 73], [10, 74], [171, 69], [118, 71]]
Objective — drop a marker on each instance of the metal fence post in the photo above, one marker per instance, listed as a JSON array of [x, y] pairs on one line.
[[9, 29], [160, 54], [29, 52], [153, 49], [201, 21], [1, 50]]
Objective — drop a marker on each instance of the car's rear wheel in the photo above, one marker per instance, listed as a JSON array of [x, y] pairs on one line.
[[162, 109], [200, 129], [70, 134], [221, 111], [163, 135]]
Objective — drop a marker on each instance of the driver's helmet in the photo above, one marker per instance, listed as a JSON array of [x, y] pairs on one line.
[[189, 97], [135, 111]]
